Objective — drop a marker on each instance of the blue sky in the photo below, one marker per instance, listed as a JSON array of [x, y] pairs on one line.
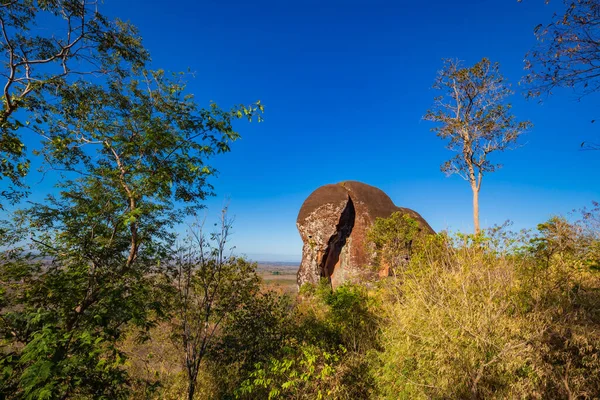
[[345, 85]]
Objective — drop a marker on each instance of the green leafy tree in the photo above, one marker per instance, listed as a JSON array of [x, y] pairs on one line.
[[134, 156], [35, 63], [150, 141], [473, 116]]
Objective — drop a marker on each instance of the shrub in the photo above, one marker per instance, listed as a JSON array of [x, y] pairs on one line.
[[393, 241], [495, 317]]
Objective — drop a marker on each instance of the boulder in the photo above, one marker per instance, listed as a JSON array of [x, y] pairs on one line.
[[333, 223]]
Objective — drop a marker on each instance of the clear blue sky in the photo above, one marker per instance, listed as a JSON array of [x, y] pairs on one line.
[[345, 85]]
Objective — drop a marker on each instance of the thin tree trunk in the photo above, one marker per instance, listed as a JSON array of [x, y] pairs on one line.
[[476, 209], [191, 389]]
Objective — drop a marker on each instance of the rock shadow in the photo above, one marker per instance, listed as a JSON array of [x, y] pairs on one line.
[[338, 240]]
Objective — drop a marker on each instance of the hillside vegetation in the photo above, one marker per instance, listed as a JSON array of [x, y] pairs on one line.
[[503, 315]]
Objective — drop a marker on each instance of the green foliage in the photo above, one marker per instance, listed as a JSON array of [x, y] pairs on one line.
[[495, 315], [304, 373], [86, 268], [135, 156], [61, 322], [255, 331], [149, 138], [394, 239], [36, 63], [323, 352], [67, 299], [351, 313]]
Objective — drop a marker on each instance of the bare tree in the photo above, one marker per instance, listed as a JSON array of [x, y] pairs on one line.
[[567, 54], [568, 51], [473, 117], [210, 285]]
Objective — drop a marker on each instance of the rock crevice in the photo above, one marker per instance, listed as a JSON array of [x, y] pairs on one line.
[[337, 241]]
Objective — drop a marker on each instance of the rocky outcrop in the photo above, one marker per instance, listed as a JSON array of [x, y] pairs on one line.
[[333, 223]]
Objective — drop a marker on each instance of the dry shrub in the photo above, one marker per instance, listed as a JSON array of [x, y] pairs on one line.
[[495, 317]]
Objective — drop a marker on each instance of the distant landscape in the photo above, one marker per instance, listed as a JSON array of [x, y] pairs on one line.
[[279, 275]]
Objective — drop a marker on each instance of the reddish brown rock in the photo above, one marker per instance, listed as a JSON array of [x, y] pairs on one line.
[[333, 223]]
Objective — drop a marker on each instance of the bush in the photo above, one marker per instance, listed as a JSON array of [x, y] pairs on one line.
[[495, 316], [324, 351]]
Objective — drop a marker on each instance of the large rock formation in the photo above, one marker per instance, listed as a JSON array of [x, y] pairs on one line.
[[333, 223]]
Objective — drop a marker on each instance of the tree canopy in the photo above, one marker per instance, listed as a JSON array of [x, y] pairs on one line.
[[36, 63], [134, 158]]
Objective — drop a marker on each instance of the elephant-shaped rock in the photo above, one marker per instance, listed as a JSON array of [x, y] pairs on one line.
[[333, 223]]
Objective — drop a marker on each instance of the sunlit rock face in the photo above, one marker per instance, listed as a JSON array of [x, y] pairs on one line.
[[333, 223]]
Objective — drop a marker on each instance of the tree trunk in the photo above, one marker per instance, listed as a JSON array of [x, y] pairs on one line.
[[191, 389], [476, 209]]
